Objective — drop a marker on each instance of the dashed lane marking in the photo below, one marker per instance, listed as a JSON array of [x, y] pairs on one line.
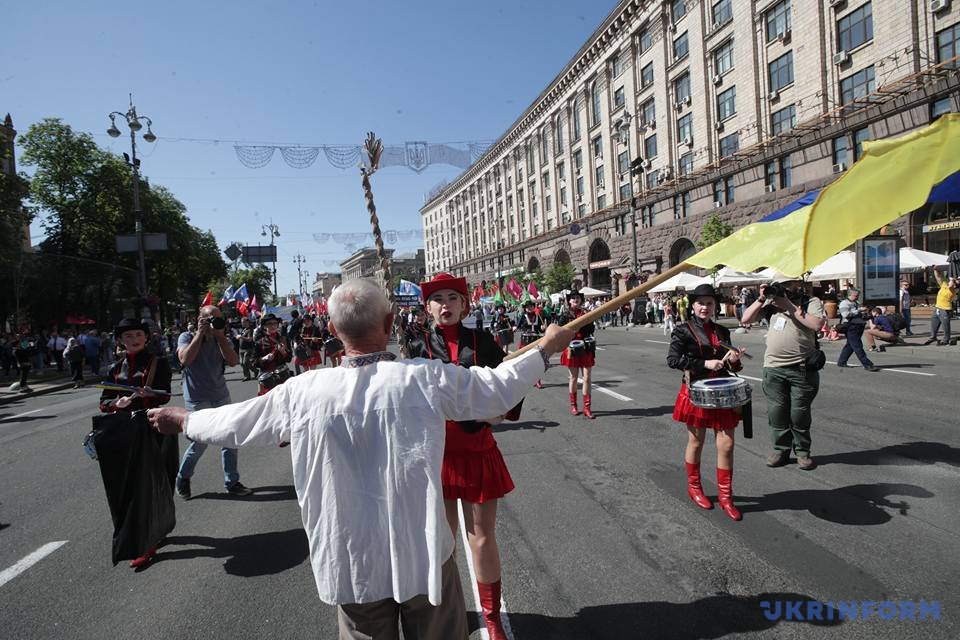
[[657, 341], [19, 415], [612, 394], [9, 574], [913, 373]]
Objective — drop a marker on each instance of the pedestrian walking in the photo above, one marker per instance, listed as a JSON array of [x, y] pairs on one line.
[[906, 302], [73, 354], [854, 321], [946, 295], [91, 351]]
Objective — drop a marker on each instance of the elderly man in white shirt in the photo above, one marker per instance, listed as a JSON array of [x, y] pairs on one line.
[[366, 441]]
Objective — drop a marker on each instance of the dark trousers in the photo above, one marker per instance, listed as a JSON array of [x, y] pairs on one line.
[[76, 368], [24, 372], [246, 360], [940, 317], [58, 358], [854, 345], [381, 620], [790, 392], [94, 364]]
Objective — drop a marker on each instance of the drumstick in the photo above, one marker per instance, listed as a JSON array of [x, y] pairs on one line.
[[743, 352], [114, 386]]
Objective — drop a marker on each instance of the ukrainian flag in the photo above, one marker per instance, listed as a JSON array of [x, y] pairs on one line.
[[893, 177]]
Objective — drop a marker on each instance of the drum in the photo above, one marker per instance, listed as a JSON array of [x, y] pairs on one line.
[[332, 346], [590, 344], [577, 347], [720, 393], [271, 379], [529, 337]]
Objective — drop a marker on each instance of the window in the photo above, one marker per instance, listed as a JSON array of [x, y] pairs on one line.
[[646, 217], [598, 176], [646, 40], [626, 192], [579, 187], [678, 9], [623, 163], [783, 120], [856, 86], [558, 137], [595, 107], [581, 210], [576, 124], [544, 147], [718, 191], [770, 174], [561, 172], [681, 87], [618, 98], [786, 171], [578, 159], [855, 28], [948, 44], [778, 20], [601, 202], [728, 189], [940, 107], [648, 112], [653, 177], [840, 150], [723, 57], [781, 71], [858, 137], [685, 164], [685, 127], [727, 104], [729, 144], [646, 75], [546, 179], [618, 65], [650, 147], [597, 145], [677, 208], [681, 206], [722, 11], [563, 196], [681, 47], [685, 197]]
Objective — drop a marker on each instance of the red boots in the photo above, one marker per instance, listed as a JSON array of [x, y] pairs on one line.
[[573, 404], [586, 406], [725, 493], [143, 560], [490, 604], [694, 488]]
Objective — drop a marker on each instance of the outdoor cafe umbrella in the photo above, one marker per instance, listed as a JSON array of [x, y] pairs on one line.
[[917, 260], [682, 280], [842, 266]]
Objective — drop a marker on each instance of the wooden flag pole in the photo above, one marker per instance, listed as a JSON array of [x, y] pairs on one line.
[[614, 304]]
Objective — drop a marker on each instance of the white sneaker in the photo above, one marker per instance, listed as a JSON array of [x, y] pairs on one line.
[[15, 386]]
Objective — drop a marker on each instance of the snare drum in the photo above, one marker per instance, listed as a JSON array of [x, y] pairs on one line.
[[590, 344], [578, 347], [720, 393], [528, 337], [332, 347]]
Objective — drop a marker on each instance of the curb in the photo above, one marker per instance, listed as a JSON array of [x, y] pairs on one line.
[[13, 397]]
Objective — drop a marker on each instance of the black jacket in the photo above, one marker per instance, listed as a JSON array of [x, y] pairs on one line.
[[132, 370], [475, 349], [690, 347], [585, 331]]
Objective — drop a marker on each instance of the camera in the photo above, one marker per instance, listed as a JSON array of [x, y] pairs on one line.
[[216, 323], [775, 290]]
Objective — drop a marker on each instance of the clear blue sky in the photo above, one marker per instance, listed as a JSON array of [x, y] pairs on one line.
[[288, 72]]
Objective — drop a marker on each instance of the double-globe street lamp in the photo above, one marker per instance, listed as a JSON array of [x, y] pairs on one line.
[[274, 232], [134, 123], [621, 134]]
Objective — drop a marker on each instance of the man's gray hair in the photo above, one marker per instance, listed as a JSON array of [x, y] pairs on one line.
[[358, 307]]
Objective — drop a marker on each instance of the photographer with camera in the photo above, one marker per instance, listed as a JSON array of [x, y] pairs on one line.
[[791, 366], [202, 355], [853, 318]]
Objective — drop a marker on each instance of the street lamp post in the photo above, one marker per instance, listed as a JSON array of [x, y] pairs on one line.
[[621, 133], [299, 260], [134, 124], [274, 232]]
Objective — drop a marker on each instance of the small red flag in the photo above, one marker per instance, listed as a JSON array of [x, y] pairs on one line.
[[207, 299]]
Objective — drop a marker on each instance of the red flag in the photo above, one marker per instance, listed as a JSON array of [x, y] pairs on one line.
[[207, 299], [514, 288], [254, 305], [477, 293], [243, 309], [532, 290]]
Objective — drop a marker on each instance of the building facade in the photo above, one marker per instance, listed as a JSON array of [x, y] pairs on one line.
[[8, 166], [676, 109], [324, 283], [410, 266], [362, 263]]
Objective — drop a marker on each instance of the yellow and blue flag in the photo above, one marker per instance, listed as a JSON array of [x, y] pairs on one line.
[[893, 177]]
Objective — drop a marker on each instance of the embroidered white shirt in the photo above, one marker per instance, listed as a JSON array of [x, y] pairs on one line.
[[366, 445]]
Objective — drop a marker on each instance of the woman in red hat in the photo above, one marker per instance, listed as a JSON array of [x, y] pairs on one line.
[[696, 347], [581, 355], [473, 468]]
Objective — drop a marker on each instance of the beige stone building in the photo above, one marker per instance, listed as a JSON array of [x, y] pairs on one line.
[[324, 283], [728, 106]]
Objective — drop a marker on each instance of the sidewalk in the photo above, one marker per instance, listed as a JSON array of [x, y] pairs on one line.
[[47, 382]]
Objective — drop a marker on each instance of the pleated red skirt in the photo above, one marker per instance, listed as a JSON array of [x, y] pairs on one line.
[[585, 359], [698, 417], [473, 468]]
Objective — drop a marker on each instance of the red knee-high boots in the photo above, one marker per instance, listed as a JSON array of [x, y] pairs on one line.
[[694, 488], [586, 406], [725, 493], [490, 604], [573, 404]]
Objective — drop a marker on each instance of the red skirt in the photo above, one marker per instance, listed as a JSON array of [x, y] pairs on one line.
[[583, 360], [473, 468], [314, 361], [700, 418]]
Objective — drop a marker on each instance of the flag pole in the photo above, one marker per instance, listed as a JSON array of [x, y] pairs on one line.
[[613, 304]]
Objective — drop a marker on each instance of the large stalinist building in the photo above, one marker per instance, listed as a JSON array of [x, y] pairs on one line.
[[729, 106]]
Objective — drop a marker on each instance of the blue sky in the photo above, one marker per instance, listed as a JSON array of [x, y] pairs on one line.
[[288, 72]]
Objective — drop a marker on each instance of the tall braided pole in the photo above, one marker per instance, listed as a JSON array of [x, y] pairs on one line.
[[374, 149]]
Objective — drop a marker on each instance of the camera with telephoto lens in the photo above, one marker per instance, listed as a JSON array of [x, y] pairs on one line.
[[216, 323], [775, 290]]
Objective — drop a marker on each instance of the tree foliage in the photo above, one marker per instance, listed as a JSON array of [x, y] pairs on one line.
[[84, 195], [714, 231], [559, 277]]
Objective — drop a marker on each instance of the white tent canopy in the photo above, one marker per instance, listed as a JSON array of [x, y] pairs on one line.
[[683, 280], [591, 292], [729, 277], [842, 266], [917, 260]]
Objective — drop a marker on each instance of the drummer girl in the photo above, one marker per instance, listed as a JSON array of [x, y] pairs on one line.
[[580, 355], [530, 327], [502, 328], [139, 369], [695, 348], [473, 469], [306, 348]]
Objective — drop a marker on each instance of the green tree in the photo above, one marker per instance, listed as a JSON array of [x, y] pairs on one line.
[[258, 278], [714, 231], [559, 277]]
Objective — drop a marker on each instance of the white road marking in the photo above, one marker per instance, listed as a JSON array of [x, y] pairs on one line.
[[9, 574], [612, 394], [504, 617], [913, 373], [657, 341], [19, 415]]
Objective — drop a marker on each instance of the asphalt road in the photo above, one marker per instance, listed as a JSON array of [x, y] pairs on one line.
[[598, 541]]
